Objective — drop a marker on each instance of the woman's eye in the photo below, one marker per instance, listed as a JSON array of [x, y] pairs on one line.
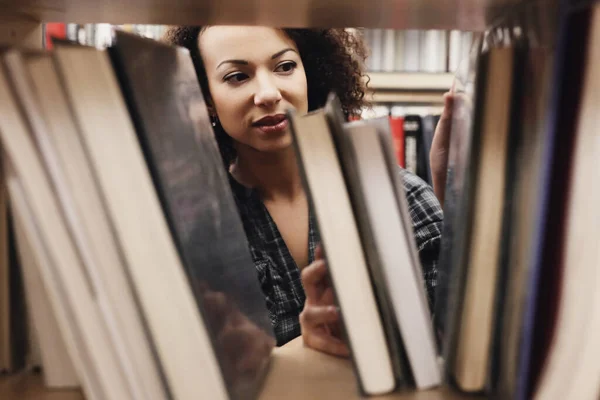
[[286, 67], [237, 77]]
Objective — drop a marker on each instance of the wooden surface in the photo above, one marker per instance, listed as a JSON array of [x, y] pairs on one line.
[[409, 88], [442, 14], [29, 386], [296, 373], [410, 81], [299, 373], [23, 32]]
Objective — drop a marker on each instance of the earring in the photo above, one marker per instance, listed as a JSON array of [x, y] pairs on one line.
[[213, 120]]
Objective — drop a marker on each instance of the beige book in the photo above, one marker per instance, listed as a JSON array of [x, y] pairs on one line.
[[54, 358]]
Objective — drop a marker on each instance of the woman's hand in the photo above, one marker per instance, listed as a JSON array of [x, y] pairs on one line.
[[438, 156], [320, 319]]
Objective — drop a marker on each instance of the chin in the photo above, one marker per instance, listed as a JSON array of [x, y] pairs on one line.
[[280, 143]]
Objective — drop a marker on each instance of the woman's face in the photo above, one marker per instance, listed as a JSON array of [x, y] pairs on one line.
[[254, 75]]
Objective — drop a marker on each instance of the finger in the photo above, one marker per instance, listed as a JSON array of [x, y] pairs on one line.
[[313, 277], [326, 344], [441, 138], [448, 106], [313, 315], [318, 252], [327, 297]]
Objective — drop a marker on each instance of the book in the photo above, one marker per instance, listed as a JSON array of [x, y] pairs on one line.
[[55, 361], [412, 51], [413, 143], [484, 251], [527, 192], [171, 119], [397, 131], [429, 125], [342, 249], [347, 158]]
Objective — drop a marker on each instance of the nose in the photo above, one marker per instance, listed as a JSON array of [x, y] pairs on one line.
[[267, 93]]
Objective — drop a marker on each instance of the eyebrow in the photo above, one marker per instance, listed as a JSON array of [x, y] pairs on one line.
[[244, 62]]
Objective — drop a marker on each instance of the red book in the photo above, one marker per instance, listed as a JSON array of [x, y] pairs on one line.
[[55, 30], [397, 128]]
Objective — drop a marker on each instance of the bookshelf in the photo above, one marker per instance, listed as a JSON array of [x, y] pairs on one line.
[[296, 372], [409, 87], [432, 14], [407, 81]]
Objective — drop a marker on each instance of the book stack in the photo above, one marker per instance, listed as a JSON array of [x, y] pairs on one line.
[[134, 250], [431, 50], [516, 305], [127, 225], [355, 189]]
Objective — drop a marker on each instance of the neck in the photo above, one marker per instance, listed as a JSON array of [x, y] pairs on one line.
[[274, 175]]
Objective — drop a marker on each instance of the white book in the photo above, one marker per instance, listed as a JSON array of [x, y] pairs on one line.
[[412, 51], [377, 49], [64, 158], [456, 51], [433, 51], [389, 50], [399, 51], [466, 43], [368, 39], [154, 264]]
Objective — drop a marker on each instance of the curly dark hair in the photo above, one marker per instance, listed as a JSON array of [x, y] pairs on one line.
[[333, 61]]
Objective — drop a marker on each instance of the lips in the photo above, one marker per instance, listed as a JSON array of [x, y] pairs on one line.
[[270, 120], [272, 124]]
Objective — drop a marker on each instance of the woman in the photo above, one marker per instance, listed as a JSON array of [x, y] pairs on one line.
[[250, 76]]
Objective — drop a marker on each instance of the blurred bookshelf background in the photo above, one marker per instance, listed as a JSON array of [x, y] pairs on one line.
[[408, 73]]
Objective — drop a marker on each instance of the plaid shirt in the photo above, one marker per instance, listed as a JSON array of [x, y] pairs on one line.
[[278, 273]]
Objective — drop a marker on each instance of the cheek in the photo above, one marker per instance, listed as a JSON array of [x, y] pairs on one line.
[[295, 91], [230, 109]]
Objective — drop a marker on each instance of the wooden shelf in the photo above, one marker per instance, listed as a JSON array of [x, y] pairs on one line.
[[30, 386], [408, 98], [418, 88], [417, 14], [411, 81], [296, 373]]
